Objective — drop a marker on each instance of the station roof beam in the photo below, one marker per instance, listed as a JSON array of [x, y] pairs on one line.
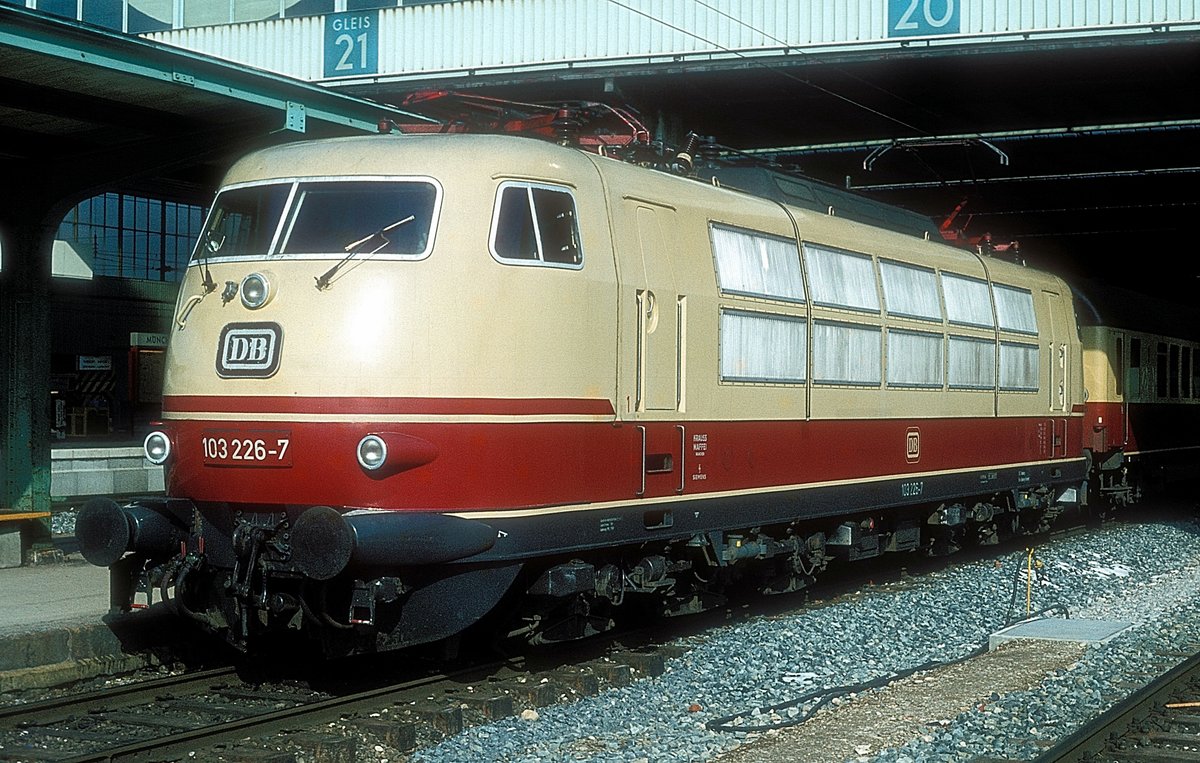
[[82, 111]]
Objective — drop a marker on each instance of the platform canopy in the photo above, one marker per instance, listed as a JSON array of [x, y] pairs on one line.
[[83, 106], [83, 111]]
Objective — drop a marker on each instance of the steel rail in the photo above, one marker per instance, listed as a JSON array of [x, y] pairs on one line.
[[1092, 738], [127, 694], [182, 742], [178, 742]]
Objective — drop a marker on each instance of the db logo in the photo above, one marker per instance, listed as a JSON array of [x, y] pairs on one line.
[[249, 350], [913, 445]]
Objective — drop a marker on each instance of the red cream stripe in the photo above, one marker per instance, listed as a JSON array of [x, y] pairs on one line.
[[385, 406]]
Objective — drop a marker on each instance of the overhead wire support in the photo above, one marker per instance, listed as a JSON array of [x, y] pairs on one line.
[[753, 60], [1066, 131], [908, 144]]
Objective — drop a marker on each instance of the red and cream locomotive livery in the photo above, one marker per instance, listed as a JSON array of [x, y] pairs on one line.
[[413, 376]]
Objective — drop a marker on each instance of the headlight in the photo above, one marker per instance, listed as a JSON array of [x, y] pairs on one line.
[[157, 447], [372, 452], [256, 291]]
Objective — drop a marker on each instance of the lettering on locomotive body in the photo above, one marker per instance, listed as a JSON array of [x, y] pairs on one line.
[[249, 350]]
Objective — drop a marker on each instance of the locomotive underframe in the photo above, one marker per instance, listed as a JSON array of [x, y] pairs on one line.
[[237, 571]]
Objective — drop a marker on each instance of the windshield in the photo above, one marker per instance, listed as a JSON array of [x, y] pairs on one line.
[[243, 221], [330, 217], [324, 218]]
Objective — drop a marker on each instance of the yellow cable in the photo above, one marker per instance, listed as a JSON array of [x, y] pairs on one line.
[[1029, 582]]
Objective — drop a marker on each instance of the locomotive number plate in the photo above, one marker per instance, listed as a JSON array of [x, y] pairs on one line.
[[255, 448]]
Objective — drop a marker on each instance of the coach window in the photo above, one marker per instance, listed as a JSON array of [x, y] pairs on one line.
[[841, 279], [1196, 374], [1134, 379], [845, 353], [535, 225], [968, 301], [1118, 364], [909, 291], [1014, 309], [1018, 367], [1174, 371], [1185, 372], [757, 264], [1163, 370], [756, 347], [972, 363], [914, 359]]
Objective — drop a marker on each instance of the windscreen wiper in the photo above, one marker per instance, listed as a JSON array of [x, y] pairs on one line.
[[356, 247], [209, 244]]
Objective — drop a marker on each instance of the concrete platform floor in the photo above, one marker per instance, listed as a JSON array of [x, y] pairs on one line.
[[62, 592], [55, 628]]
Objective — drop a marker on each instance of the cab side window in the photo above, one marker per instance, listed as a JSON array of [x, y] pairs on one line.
[[535, 225]]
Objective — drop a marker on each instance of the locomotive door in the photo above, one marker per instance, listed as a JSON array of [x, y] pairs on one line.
[[658, 390], [1060, 367], [658, 306]]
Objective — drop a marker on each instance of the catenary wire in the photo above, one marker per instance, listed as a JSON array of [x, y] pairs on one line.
[[779, 72]]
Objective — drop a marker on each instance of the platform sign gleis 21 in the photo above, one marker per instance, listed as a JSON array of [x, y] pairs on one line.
[[920, 18], [352, 43]]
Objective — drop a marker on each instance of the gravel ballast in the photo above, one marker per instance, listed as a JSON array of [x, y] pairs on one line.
[[1145, 574]]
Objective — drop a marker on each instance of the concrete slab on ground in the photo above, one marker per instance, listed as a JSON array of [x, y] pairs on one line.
[[1059, 629]]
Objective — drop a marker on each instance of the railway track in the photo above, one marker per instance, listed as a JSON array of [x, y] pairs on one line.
[[168, 718], [1159, 724]]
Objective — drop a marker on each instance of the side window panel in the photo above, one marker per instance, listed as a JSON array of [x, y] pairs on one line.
[[846, 354], [972, 363], [914, 359], [1018, 366], [757, 264], [910, 291], [967, 301], [762, 348], [514, 237], [841, 279], [556, 223], [535, 225], [1014, 310]]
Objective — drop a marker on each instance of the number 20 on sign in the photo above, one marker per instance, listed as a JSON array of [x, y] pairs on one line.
[[923, 17]]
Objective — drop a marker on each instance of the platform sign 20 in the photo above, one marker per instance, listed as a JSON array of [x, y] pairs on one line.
[[352, 43], [913, 18]]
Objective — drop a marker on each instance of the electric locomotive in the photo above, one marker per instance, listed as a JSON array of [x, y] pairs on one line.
[[413, 377]]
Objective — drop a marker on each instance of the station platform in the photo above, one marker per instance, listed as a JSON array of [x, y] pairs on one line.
[[55, 627], [112, 466]]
